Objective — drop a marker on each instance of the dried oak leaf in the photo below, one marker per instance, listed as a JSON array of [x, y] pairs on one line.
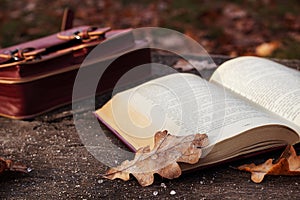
[[266, 49], [9, 165], [162, 159], [188, 65], [287, 164]]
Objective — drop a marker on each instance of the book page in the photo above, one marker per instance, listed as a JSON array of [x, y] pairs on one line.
[[183, 104], [264, 82]]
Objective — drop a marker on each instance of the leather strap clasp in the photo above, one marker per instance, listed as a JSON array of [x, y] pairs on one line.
[[87, 35], [22, 54]]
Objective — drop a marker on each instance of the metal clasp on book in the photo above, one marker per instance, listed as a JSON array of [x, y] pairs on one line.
[[23, 54], [87, 35]]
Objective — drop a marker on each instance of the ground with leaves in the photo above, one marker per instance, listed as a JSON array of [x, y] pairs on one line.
[[64, 169], [266, 28]]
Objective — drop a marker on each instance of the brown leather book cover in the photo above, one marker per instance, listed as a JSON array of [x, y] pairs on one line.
[[38, 76]]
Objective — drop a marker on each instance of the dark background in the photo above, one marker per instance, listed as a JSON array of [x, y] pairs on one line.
[[268, 28]]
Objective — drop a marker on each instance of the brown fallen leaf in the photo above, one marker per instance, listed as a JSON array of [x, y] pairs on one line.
[[193, 64], [9, 165], [266, 49], [162, 159], [287, 164]]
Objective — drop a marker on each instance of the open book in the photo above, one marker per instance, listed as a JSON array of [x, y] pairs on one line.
[[249, 105]]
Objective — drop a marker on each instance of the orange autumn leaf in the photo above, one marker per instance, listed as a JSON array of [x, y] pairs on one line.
[[9, 165], [266, 49], [162, 159], [287, 164]]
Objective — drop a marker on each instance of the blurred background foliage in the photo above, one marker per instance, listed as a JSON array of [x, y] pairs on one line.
[[269, 28]]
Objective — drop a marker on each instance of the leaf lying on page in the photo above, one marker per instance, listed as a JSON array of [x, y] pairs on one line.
[[287, 164], [162, 159], [9, 165]]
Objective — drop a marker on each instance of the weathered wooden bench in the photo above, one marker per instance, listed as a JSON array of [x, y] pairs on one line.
[[64, 169]]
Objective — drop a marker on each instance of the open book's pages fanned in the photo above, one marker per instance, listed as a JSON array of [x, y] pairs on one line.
[[266, 83], [238, 109]]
